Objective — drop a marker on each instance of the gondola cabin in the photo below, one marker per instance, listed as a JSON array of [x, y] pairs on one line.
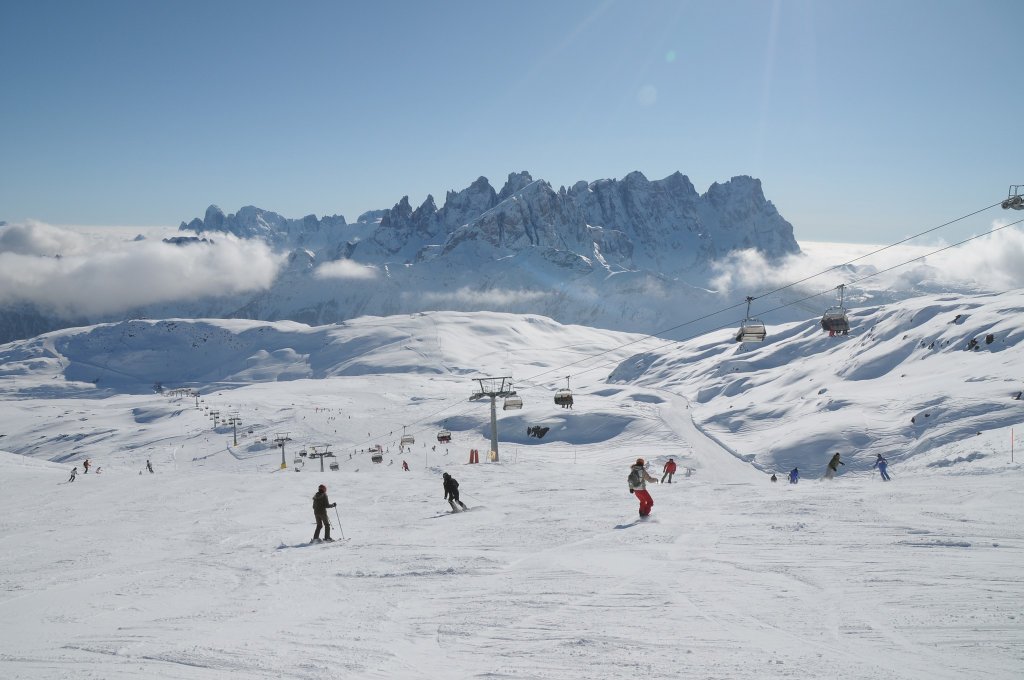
[[444, 436], [512, 403]]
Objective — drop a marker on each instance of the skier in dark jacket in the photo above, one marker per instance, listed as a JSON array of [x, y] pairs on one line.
[[833, 466], [149, 466], [320, 505], [881, 463], [451, 492]]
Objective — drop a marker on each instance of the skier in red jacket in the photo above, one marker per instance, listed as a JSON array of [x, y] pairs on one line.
[[668, 470]]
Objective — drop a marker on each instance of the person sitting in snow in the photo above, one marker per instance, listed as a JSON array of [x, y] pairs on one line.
[[451, 492], [774, 478]]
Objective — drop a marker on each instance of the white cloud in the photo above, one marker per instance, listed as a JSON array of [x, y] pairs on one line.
[[346, 269], [495, 297], [97, 276], [992, 262]]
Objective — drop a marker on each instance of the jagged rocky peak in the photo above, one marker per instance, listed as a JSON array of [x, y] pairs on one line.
[[214, 220], [515, 183]]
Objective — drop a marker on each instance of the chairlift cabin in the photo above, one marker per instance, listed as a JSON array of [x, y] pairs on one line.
[[751, 330], [512, 403], [377, 457], [407, 439], [563, 397], [444, 436], [1014, 198], [334, 466], [835, 319]]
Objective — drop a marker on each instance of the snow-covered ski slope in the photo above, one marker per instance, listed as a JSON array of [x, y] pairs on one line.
[[201, 570]]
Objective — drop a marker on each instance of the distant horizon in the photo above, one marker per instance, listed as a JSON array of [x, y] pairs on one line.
[[862, 120]]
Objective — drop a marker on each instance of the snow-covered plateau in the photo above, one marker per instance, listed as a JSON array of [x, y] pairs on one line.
[[203, 568]]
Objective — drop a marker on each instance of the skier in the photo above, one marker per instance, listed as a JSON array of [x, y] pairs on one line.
[[74, 471], [451, 492], [794, 476], [405, 466], [149, 466], [320, 505], [833, 466], [668, 471], [638, 479], [881, 463], [85, 465]]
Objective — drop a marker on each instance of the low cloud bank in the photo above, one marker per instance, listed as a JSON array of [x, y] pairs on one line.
[[346, 269], [74, 275], [495, 297], [993, 262]]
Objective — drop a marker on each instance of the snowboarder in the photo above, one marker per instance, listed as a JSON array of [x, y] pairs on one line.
[[774, 478], [405, 466], [149, 466], [668, 471], [74, 471], [320, 505], [637, 480], [85, 465], [833, 466], [794, 476], [881, 463], [451, 492]]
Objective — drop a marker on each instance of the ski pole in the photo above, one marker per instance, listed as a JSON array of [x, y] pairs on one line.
[[339, 523]]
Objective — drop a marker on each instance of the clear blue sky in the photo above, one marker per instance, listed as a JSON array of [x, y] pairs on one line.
[[865, 121]]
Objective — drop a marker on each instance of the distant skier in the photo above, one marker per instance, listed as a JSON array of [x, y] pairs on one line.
[[451, 492], [794, 476], [320, 505], [74, 471], [405, 466], [881, 463], [774, 478], [668, 471], [637, 480], [833, 466], [149, 466], [85, 465]]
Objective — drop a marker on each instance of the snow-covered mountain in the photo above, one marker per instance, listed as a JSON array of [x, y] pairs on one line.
[[911, 377], [582, 254], [202, 569]]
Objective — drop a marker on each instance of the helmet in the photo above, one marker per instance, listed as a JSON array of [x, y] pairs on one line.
[[322, 488], [639, 461]]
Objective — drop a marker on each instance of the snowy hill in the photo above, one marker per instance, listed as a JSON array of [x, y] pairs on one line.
[[202, 570]]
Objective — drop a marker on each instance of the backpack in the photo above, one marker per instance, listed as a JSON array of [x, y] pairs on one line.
[[636, 478]]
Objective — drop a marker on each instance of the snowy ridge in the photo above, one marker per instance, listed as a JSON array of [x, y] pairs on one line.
[[180, 573]]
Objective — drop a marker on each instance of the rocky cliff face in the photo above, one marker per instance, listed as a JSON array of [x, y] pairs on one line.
[[615, 253]]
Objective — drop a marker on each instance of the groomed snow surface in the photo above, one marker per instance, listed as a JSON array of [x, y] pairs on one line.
[[203, 569]]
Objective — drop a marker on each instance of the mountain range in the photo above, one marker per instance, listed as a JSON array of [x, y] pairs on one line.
[[582, 254]]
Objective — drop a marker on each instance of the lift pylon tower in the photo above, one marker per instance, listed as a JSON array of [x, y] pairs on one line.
[[321, 451], [495, 388]]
